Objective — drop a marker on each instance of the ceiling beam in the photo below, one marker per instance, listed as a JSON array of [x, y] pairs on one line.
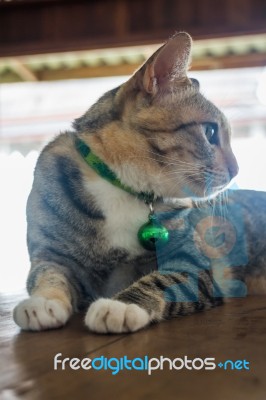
[[24, 72], [230, 61], [43, 26], [87, 72]]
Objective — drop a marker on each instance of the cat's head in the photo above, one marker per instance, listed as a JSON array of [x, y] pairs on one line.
[[159, 133]]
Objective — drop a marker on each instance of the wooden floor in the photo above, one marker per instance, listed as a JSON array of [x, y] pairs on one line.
[[236, 331]]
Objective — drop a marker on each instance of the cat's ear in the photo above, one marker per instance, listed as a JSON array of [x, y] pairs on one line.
[[168, 64]]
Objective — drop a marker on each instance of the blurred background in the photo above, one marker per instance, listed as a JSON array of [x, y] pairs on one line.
[[58, 56]]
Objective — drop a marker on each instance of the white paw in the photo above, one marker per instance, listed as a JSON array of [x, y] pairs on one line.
[[39, 313], [113, 316]]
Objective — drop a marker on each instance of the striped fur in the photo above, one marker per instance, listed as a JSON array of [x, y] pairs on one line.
[[157, 133]]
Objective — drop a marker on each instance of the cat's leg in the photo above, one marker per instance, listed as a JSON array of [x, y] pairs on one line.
[[151, 299], [50, 304]]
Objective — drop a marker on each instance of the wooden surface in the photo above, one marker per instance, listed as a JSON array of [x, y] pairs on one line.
[[234, 331], [44, 26]]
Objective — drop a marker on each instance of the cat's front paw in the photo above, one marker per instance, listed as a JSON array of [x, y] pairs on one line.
[[113, 316], [39, 313]]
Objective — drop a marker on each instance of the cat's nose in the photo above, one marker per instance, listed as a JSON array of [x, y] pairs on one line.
[[233, 167]]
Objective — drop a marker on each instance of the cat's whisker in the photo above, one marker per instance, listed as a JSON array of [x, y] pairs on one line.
[[207, 186], [172, 174], [167, 164], [178, 181], [176, 177], [184, 182], [175, 160], [224, 200], [183, 171], [212, 201], [219, 199]]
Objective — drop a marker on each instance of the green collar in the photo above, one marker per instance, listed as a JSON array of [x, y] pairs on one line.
[[104, 171]]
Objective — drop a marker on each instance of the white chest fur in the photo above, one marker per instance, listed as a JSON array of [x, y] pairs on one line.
[[123, 212]]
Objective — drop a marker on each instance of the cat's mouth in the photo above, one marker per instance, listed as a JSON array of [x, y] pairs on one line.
[[209, 188], [201, 192]]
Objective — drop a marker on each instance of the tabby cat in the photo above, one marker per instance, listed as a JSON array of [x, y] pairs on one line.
[[153, 151]]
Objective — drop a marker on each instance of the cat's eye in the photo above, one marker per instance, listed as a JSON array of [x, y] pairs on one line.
[[211, 132]]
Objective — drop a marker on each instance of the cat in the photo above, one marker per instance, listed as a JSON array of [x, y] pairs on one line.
[[152, 149]]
